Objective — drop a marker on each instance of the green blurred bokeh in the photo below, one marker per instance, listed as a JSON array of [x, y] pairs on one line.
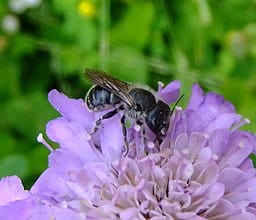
[[48, 44]]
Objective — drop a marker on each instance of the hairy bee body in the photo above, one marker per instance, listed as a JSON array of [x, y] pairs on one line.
[[140, 104]]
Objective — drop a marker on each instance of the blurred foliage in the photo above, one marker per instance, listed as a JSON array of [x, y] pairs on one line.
[[48, 44]]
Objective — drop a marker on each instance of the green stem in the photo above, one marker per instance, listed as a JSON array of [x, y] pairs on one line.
[[104, 35]]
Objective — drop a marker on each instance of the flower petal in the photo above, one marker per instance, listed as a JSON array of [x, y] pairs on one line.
[[73, 136], [170, 92], [196, 97], [72, 109], [111, 137], [11, 189]]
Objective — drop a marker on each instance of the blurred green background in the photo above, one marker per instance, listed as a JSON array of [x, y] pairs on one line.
[[48, 44]]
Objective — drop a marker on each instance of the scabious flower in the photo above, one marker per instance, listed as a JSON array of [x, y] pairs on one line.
[[201, 170]]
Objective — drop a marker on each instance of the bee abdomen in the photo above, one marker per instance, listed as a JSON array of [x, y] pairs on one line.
[[98, 99]]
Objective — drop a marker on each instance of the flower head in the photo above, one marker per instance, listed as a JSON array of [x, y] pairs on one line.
[[201, 170]]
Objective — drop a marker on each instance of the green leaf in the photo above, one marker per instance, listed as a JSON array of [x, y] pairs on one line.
[[7, 143], [28, 114], [9, 83], [134, 27], [128, 64], [14, 165], [38, 158], [21, 45]]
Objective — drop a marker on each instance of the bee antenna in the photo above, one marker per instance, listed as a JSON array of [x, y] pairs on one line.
[[176, 103]]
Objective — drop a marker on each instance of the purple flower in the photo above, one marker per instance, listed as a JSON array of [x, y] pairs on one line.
[[201, 170]]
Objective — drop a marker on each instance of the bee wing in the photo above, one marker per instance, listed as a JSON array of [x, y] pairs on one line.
[[117, 87]]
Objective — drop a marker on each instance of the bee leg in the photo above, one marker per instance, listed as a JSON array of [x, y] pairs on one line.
[[125, 151], [143, 131], [158, 141], [99, 121]]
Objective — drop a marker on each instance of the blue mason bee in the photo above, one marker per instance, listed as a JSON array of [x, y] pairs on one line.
[[138, 103]]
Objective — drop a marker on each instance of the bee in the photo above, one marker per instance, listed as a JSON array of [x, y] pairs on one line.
[[137, 103]]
